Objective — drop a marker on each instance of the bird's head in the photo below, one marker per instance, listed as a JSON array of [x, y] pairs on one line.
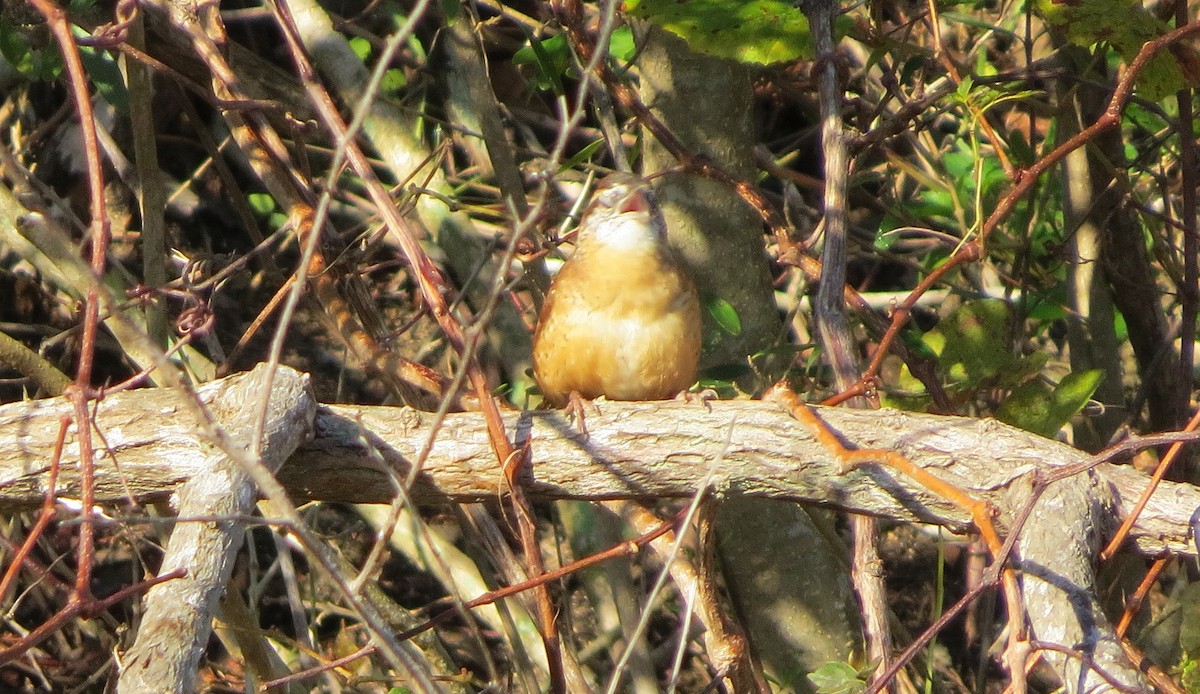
[[623, 215]]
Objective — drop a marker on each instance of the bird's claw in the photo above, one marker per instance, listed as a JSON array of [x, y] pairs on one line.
[[704, 397]]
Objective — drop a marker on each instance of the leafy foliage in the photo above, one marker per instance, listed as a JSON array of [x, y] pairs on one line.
[[756, 31], [973, 356], [33, 62], [551, 57], [1126, 27]]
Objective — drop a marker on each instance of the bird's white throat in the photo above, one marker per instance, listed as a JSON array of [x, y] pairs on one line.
[[631, 232]]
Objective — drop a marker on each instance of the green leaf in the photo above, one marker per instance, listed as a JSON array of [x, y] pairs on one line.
[[837, 678], [724, 314], [724, 389], [621, 44], [927, 345], [261, 203], [552, 57], [1189, 673], [582, 155], [915, 342], [1144, 118], [1020, 149], [1161, 78], [975, 348], [1046, 310], [13, 47], [103, 72], [970, 349], [1028, 407], [1036, 407], [964, 88], [884, 238], [1075, 390], [361, 48], [973, 21], [1089, 22], [755, 31], [394, 80], [1120, 327], [42, 64]]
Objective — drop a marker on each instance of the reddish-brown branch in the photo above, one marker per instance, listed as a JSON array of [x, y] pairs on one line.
[[44, 516], [86, 607], [1025, 180], [982, 513], [1078, 654], [512, 467], [1160, 471], [624, 549], [1134, 604], [970, 252], [1159, 679], [888, 674], [100, 234]]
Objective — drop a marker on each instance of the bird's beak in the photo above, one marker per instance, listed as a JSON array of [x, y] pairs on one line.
[[636, 201]]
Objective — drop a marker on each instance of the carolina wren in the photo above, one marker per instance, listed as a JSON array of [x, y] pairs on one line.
[[622, 318]]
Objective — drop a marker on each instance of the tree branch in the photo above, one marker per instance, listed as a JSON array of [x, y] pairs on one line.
[[664, 450], [636, 450]]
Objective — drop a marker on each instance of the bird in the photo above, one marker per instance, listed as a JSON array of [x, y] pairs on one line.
[[621, 320]]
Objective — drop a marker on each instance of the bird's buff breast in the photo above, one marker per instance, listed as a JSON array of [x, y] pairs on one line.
[[626, 327]]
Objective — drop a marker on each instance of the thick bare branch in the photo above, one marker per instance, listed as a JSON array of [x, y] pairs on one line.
[[178, 614], [636, 450], [664, 450]]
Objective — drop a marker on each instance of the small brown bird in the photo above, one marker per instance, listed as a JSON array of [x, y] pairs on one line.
[[622, 318]]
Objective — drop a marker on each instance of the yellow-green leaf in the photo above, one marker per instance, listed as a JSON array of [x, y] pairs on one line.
[[758, 31], [1043, 410]]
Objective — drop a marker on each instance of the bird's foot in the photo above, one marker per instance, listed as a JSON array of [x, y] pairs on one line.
[[575, 410], [704, 397]]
